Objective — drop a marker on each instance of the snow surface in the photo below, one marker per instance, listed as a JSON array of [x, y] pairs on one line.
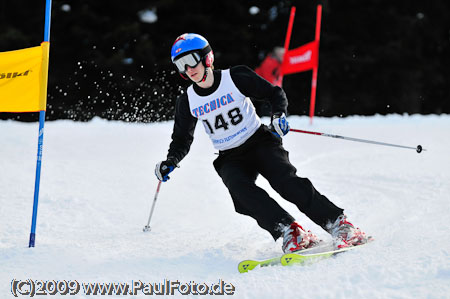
[[98, 185]]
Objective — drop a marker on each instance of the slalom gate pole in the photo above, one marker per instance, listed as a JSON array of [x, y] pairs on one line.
[[288, 35], [147, 227], [418, 148], [37, 181], [43, 97], [312, 103]]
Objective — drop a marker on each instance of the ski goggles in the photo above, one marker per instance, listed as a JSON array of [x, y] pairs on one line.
[[191, 59]]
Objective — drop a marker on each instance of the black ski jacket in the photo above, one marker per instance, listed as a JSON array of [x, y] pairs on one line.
[[249, 84]]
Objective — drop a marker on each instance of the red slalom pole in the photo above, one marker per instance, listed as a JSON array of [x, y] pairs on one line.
[[418, 148], [312, 104], [288, 36]]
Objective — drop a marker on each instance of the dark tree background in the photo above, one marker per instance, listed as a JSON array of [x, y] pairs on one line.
[[376, 56]]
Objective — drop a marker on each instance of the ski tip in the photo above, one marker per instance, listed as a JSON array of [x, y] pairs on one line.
[[247, 265]]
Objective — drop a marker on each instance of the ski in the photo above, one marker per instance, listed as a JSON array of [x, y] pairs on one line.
[[248, 265], [301, 258]]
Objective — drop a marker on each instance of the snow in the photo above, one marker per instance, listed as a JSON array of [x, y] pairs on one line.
[[66, 8], [148, 15], [254, 10], [98, 185]]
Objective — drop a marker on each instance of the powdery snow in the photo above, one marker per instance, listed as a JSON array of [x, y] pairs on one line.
[[98, 185]]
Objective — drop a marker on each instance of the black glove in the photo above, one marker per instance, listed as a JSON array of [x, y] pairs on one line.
[[163, 169]]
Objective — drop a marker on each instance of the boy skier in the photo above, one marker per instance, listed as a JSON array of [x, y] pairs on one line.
[[220, 99]]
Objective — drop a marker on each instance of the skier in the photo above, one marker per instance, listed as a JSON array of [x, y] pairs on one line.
[[270, 68], [220, 99]]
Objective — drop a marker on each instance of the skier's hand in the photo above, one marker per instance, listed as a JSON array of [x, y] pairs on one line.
[[279, 124], [163, 169]]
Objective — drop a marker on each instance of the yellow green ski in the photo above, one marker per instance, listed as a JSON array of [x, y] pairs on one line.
[[248, 265], [302, 257]]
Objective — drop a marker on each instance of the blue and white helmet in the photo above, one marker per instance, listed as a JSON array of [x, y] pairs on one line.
[[190, 49]]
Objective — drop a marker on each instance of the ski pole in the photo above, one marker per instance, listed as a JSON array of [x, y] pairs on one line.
[[147, 227], [418, 149]]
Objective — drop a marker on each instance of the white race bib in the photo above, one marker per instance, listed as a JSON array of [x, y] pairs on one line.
[[228, 116]]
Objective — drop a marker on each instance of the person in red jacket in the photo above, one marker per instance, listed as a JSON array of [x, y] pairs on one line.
[[270, 68]]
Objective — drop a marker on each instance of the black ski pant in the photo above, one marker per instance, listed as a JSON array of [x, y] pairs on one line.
[[264, 154]]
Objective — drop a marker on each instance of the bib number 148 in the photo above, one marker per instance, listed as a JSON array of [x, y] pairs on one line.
[[234, 117]]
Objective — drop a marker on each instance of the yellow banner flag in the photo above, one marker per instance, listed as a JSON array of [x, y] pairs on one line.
[[23, 79]]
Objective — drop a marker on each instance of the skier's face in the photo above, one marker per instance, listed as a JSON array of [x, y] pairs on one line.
[[195, 73]]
